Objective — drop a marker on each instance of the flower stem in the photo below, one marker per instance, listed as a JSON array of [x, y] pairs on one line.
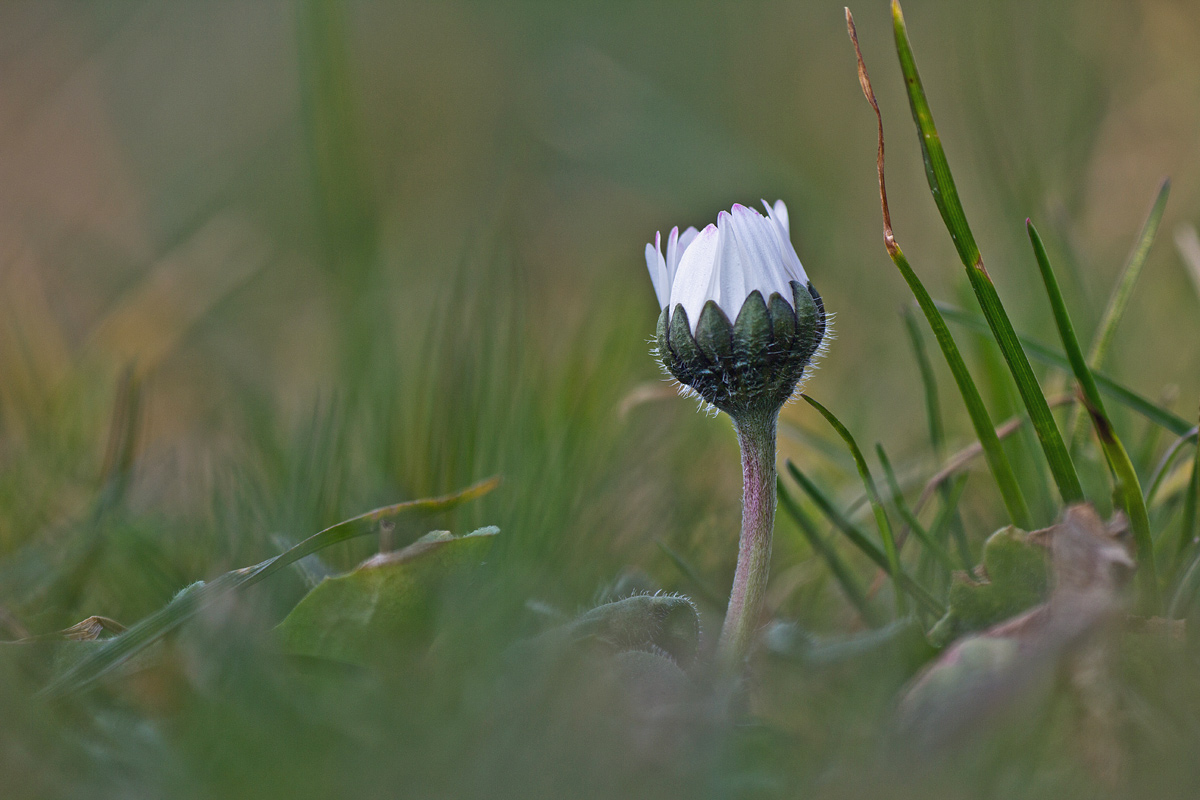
[[756, 436]]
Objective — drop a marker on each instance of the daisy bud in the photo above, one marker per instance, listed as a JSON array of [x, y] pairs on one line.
[[740, 324], [740, 320]]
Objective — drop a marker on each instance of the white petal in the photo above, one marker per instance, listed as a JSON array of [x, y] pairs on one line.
[[779, 222], [672, 253], [730, 277], [779, 213], [764, 263], [694, 278], [658, 271], [686, 238], [676, 245]]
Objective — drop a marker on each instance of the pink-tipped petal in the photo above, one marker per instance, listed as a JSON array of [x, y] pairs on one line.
[[658, 271]]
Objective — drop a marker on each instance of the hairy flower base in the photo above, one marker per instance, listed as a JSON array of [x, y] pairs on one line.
[[751, 365]]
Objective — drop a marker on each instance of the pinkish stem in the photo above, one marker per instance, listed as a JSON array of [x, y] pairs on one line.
[[756, 435]]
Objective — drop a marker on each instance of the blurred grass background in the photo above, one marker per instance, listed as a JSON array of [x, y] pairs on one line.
[[285, 262]]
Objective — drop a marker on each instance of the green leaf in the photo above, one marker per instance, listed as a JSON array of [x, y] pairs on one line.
[[902, 641], [945, 196], [1128, 487], [662, 622], [116, 651], [386, 604], [1014, 579]]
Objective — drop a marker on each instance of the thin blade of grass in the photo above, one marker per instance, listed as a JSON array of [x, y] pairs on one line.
[[1189, 531], [945, 196], [937, 436], [116, 651], [841, 572], [881, 518], [933, 410], [1128, 487], [1164, 465], [1187, 244], [1148, 444], [948, 518], [910, 519], [1119, 300], [997, 459], [862, 541], [1051, 357]]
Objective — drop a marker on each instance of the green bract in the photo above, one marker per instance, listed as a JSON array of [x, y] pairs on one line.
[[751, 365]]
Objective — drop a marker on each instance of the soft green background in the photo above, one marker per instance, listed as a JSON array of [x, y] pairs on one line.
[[369, 252]]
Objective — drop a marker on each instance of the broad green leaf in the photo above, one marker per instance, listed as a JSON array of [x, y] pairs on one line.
[[1013, 579], [113, 652], [385, 604], [902, 640], [663, 622]]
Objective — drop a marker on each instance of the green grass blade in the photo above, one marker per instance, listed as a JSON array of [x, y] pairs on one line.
[[1119, 300], [1185, 590], [910, 519], [1051, 357], [881, 518], [933, 410], [948, 518], [997, 460], [116, 651], [945, 195], [1129, 489], [862, 541], [1189, 531], [841, 572], [937, 436], [1165, 463], [1066, 331]]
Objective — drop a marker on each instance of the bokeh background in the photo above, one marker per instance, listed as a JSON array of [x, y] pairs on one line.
[[307, 258]]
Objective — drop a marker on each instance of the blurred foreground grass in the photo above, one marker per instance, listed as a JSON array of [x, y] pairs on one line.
[[268, 266]]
